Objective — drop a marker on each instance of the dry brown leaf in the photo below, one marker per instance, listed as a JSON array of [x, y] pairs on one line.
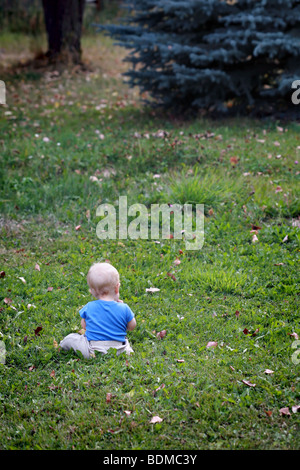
[[234, 160], [108, 397], [161, 334], [37, 330]]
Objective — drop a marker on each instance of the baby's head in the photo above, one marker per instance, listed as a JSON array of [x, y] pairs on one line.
[[103, 280]]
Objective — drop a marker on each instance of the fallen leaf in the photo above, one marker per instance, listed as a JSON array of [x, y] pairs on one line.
[[22, 279], [37, 267], [160, 387], [285, 411], [108, 397], [156, 419], [78, 227], [234, 160], [177, 261], [37, 330], [295, 223], [157, 389], [161, 334], [31, 305], [180, 360], [113, 431], [52, 373], [128, 413], [2, 273], [247, 332], [254, 239], [7, 300], [295, 335], [285, 239], [269, 371], [171, 276], [212, 344], [55, 344], [152, 289], [295, 408], [247, 382], [49, 289]]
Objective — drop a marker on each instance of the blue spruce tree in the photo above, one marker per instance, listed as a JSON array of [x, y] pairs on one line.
[[212, 53]]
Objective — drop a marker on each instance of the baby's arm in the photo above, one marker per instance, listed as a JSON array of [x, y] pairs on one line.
[[83, 324], [131, 324]]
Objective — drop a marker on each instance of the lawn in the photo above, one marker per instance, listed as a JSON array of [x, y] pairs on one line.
[[225, 375]]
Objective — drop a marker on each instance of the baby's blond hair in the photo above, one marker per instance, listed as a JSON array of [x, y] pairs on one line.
[[102, 278]]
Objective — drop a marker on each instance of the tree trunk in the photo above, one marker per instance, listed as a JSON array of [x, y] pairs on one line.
[[63, 20]]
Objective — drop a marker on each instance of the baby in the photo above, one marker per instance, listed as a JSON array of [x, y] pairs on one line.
[[106, 319]]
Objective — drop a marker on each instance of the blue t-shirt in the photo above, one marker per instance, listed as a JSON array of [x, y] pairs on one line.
[[106, 320]]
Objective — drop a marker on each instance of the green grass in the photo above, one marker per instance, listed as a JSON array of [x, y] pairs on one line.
[[244, 295]]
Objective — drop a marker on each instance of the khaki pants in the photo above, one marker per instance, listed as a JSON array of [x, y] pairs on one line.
[[87, 348]]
